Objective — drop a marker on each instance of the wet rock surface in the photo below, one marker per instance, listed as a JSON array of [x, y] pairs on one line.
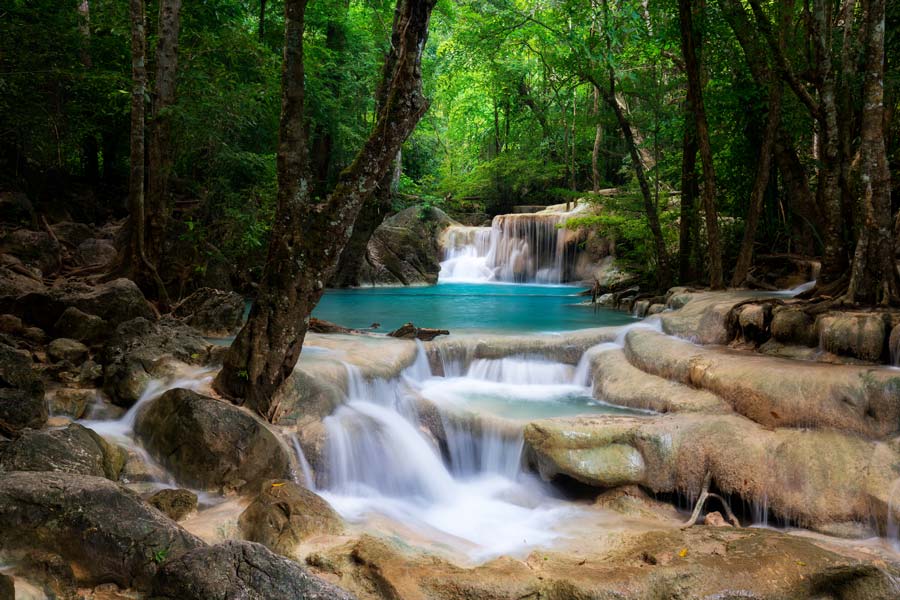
[[284, 514], [73, 449], [105, 532], [215, 313], [21, 392], [174, 503], [239, 570], [210, 444]]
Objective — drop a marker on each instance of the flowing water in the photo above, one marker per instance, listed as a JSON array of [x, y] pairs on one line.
[[468, 489]]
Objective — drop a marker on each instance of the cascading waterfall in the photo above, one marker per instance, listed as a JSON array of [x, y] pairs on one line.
[[520, 248], [381, 460]]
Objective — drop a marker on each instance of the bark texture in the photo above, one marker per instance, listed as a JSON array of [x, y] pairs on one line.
[[310, 232]]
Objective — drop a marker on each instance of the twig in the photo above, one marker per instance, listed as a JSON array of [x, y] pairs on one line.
[[706, 495]]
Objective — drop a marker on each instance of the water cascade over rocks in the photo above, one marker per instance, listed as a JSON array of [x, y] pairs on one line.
[[468, 487], [517, 248]]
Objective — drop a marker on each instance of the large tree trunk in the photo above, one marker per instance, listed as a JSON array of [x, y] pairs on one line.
[[309, 232], [159, 151], [689, 193], [695, 94], [136, 177], [874, 276], [761, 182]]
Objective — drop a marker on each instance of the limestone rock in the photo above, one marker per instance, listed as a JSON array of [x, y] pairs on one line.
[[174, 503], [106, 532], [114, 301], [239, 570], [404, 249], [791, 325], [215, 313], [140, 350], [70, 402], [284, 514], [210, 443], [860, 335], [66, 349], [715, 519], [78, 325], [74, 449]]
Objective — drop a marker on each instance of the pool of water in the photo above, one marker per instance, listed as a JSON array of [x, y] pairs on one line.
[[457, 306]]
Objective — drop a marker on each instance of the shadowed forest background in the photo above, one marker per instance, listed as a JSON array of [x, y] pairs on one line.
[[519, 114]]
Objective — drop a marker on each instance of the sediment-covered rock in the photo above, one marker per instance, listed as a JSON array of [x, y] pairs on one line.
[[284, 514], [174, 503], [107, 533], [861, 335], [813, 478], [239, 570], [209, 443], [73, 449], [215, 313], [777, 392]]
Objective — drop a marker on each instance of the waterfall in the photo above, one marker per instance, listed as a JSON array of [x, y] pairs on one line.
[[380, 459], [520, 248]]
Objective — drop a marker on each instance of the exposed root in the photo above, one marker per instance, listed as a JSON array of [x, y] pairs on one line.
[[701, 501]]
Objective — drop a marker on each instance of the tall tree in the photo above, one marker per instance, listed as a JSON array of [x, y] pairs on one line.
[[159, 152], [137, 254], [309, 232], [874, 276], [692, 66]]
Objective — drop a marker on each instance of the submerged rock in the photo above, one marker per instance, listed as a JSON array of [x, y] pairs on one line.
[[284, 514], [106, 532], [73, 449], [209, 443], [239, 570]]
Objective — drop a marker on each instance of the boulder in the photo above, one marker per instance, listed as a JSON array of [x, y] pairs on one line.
[[404, 249], [209, 443], [115, 301], [655, 309], [215, 313], [71, 233], [34, 248], [70, 402], [239, 570], [21, 392], [17, 279], [174, 503], [66, 349], [284, 514], [754, 320], [860, 335], [11, 324], [791, 325], [78, 325], [140, 350], [106, 532], [95, 252], [74, 449], [15, 208]]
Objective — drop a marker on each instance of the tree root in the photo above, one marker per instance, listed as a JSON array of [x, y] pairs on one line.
[[705, 495]]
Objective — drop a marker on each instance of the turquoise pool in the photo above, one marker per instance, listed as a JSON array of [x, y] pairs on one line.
[[459, 306]]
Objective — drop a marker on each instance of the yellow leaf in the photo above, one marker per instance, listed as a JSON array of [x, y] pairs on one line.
[[277, 484], [683, 552]]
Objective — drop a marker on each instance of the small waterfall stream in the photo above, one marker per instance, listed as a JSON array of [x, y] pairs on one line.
[[520, 248]]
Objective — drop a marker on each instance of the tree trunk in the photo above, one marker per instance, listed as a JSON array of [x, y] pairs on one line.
[[874, 276], [695, 93], [757, 195], [687, 263], [262, 20], [136, 177], [598, 141], [159, 151], [309, 232]]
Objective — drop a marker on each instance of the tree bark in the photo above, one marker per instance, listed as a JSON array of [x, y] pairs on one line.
[[874, 277], [760, 183], [136, 177], [309, 232], [598, 141], [159, 151], [687, 270], [695, 93]]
